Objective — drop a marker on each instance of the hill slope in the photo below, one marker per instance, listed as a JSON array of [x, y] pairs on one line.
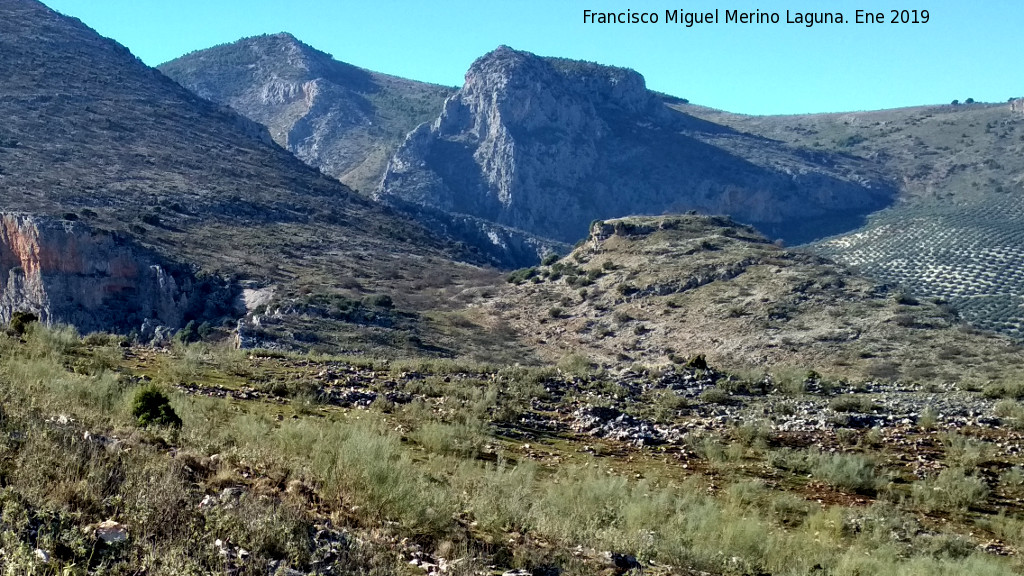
[[96, 138], [655, 290], [954, 234]]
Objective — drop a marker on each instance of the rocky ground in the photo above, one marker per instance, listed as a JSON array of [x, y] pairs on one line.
[[617, 408]]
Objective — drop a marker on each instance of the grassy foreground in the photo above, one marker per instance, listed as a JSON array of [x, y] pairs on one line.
[[267, 475]]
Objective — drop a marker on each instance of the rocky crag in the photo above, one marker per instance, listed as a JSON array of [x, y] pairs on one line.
[[547, 145], [66, 272], [343, 120]]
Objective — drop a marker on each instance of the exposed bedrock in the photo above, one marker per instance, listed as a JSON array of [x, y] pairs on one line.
[[66, 272]]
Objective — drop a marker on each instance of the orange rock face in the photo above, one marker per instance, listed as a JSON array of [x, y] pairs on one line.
[[95, 280]]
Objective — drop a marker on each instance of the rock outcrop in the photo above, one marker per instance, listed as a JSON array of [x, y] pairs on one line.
[[95, 280], [548, 145], [1017, 105]]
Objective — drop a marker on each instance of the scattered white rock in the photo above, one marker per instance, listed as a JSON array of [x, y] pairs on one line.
[[111, 532]]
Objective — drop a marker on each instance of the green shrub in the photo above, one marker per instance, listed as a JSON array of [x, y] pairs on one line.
[[521, 275], [151, 406], [21, 319], [716, 396], [964, 451], [698, 362], [850, 471], [205, 329], [1012, 480], [850, 141], [626, 289], [953, 490], [928, 419], [905, 298], [458, 439], [665, 405], [188, 334], [549, 259], [852, 403], [1013, 390], [576, 364], [380, 301]]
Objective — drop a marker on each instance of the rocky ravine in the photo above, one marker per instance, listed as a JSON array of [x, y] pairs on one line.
[[95, 280], [548, 145]]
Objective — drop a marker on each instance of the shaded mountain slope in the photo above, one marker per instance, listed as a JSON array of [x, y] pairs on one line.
[[92, 135]]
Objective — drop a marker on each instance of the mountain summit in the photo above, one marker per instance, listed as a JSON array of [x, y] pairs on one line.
[[342, 119], [547, 145]]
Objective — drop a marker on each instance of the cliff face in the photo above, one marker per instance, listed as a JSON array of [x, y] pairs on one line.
[[1017, 105], [64, 272], [548, 145]]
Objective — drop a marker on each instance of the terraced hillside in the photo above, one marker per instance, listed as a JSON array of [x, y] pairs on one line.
[[955, 232], [659, 290], [970, 255]]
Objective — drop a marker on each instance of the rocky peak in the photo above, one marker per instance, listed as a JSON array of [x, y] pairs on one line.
[[506, 69], [339, 118], [547, 145], [533, 93]]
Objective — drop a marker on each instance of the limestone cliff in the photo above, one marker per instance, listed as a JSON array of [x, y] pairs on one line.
[[548, 145], [95, 280]]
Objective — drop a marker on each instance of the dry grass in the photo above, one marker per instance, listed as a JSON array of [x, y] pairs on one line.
[[431, 484]]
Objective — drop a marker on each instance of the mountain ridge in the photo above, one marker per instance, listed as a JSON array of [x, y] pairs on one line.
[[600, 110]]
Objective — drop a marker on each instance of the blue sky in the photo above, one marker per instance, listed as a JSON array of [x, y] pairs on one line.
[[966, 50]]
